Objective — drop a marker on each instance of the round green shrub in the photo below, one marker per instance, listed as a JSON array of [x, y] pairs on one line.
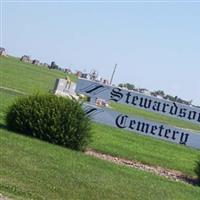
[[197, 170], [51, 118]]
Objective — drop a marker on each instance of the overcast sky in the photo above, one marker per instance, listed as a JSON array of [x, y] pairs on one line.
[[156, 45]]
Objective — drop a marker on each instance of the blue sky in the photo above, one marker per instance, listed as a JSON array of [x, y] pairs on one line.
[[155, 44]]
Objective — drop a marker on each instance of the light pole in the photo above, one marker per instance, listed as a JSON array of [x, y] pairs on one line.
[[113, 74]]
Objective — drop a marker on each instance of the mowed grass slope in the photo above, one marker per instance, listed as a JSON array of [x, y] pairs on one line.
[[32, 169], [145, 149], [27, 77]]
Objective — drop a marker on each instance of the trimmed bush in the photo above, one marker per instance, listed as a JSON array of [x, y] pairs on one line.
[[197, 170], [51, 118]]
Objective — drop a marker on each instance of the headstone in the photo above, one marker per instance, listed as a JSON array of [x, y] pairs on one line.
[[64, 88], [25, 58], [36, 62]]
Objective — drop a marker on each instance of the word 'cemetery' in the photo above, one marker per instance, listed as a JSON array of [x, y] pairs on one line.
[[124, 121], [142, 126]]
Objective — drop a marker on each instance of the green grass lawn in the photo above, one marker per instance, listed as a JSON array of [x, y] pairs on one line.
[[27, 77], [32, 169], [145, 149]]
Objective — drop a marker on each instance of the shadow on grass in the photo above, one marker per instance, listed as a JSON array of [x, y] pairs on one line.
[[11, 131], [192, 181], [3, 126]]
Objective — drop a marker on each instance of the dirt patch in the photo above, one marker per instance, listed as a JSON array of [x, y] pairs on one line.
[[167, 173]]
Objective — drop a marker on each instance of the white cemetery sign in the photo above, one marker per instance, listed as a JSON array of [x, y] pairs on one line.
[[135, 99], [136, 124], [142, 126]]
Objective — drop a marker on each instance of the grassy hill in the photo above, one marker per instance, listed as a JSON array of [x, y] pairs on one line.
[[32, 169], [27, 77]]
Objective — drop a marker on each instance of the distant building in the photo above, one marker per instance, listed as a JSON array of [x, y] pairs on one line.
[[26, 58], [2, 51]]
